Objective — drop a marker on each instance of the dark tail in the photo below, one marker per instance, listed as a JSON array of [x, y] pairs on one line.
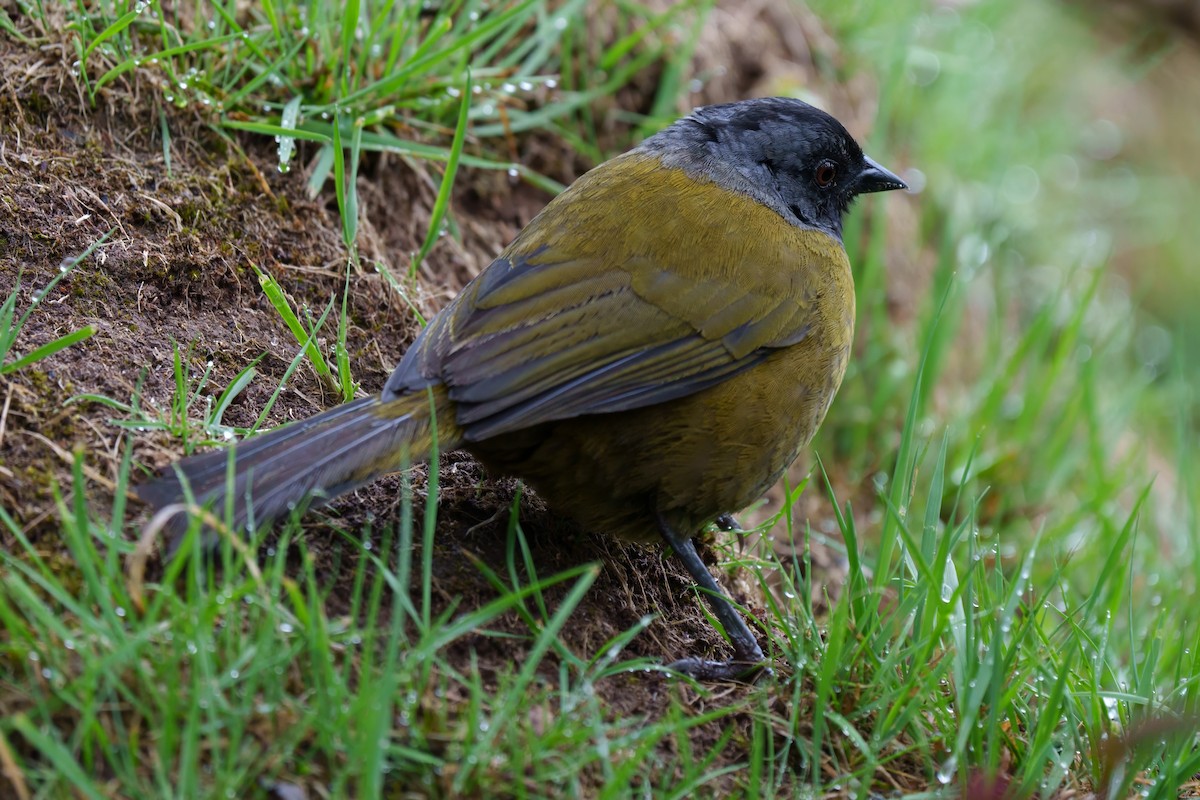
[[319, 458]]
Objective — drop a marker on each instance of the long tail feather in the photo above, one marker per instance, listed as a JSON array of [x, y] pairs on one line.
[[318, 459]]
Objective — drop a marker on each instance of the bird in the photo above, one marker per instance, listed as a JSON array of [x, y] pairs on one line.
[[649, 354]]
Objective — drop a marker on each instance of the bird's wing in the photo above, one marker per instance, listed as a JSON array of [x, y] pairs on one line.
[[590, 312]]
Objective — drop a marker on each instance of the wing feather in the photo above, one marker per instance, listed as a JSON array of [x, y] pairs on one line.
[[567, 323]]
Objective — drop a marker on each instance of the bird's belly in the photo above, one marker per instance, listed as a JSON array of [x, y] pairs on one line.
[[757, 424]]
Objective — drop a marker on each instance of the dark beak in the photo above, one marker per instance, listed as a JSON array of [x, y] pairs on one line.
[[874, 178]]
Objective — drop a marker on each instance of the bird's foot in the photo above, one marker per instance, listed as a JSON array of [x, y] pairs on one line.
[[737, 671], [728, 522]]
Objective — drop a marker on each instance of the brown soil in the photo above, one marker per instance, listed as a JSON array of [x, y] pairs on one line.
[[177, 270]]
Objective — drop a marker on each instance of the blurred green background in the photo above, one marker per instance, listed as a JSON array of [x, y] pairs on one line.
[[1056, 147]]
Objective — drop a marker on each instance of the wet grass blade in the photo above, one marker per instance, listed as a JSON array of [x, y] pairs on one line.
[[442, 204]]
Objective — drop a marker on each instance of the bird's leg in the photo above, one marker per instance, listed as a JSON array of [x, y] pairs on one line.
[[748, 656]]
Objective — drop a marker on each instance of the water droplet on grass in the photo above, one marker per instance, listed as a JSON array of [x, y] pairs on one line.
[[947, 770]]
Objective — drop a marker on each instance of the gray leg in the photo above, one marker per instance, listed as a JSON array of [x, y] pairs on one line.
[[748, 656]]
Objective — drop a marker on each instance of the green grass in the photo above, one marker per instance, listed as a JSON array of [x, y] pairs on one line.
[[11, 325], [1019, 585]]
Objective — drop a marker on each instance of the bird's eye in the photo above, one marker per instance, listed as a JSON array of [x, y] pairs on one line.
[[825, 174]]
